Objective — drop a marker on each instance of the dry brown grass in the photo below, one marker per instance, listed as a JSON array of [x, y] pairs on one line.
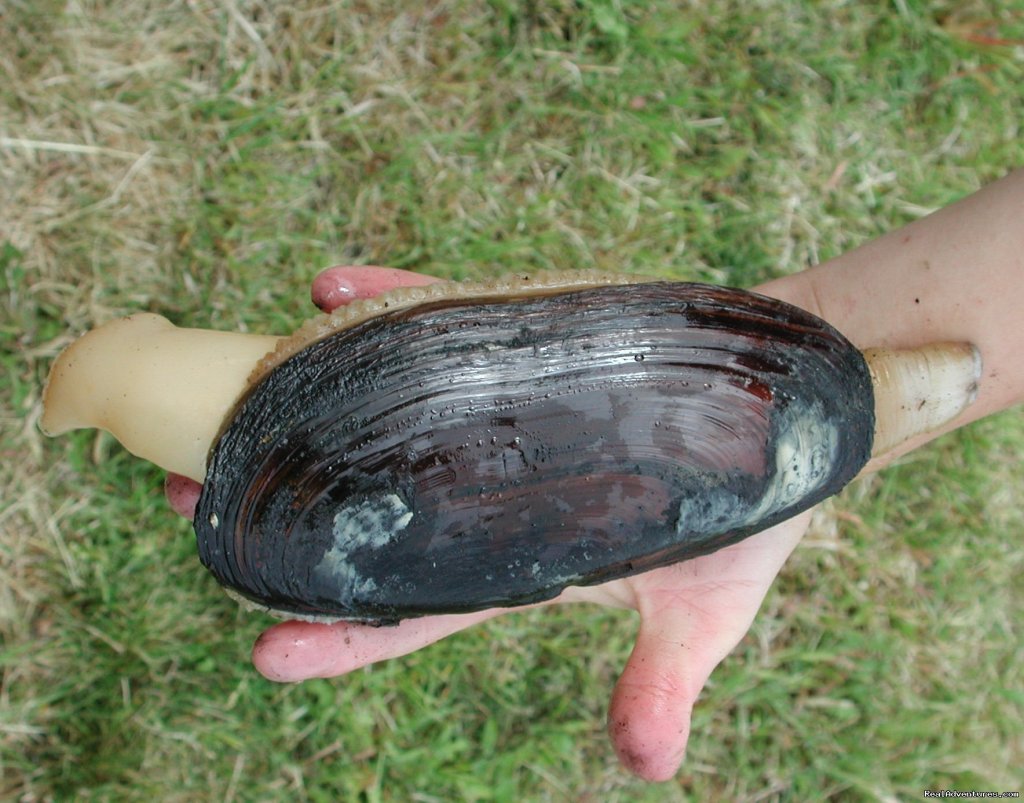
[[206, 159]]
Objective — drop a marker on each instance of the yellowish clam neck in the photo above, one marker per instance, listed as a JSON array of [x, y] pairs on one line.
[[162, 391]]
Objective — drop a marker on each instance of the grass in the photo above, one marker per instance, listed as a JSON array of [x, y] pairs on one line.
[[206, 160]]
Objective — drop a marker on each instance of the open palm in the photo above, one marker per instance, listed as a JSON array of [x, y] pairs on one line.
[[692, 614]]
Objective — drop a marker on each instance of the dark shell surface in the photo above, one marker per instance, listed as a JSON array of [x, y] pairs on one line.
[[470, 453]]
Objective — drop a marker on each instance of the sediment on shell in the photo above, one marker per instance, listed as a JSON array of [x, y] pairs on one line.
[[503, 288]]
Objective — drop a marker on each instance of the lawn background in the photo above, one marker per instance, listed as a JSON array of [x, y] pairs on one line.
[[205, 160]]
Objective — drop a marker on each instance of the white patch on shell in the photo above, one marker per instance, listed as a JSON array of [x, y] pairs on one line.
[[806, 448], [370, 524], [805, 453]]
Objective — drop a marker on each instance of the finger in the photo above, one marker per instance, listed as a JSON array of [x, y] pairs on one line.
[[293, 651], [182, 494], [342, 284], [688, 625]]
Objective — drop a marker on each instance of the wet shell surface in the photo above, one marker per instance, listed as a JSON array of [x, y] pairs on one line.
[[466, 453]]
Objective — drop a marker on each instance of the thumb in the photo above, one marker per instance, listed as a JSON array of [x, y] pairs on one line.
[[649, 716], [692, 614]]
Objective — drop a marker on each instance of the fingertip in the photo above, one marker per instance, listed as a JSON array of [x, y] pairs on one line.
[[649, 731], [182, 494], [343, 284], [294, 651], [332, 289]]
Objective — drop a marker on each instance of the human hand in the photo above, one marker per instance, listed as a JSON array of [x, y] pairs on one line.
[[692, 614]]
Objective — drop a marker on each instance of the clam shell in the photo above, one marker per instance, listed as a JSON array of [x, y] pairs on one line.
[[466, 453]]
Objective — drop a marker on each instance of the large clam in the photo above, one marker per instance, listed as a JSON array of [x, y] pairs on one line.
[[462, 446]]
